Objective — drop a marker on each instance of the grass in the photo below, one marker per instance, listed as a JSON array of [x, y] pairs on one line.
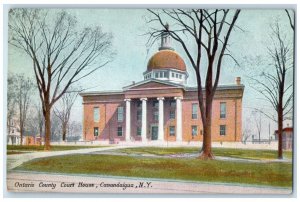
[[235, 153], [270, 174], [15, 152], [41, 148], [159, 150]]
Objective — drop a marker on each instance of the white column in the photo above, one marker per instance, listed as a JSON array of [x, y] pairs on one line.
[[128, 120], [144, 119], [178, 119], [161, 118]]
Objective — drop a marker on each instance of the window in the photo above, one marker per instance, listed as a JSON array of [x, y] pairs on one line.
[[172, 130], [156, 74], [120, 131], [96, 114], [194, 111], [165, 75], [180, 76], [173, 103], [139, 104], [161, 74], [120, 114], [172, 114], [173, 75], [155, 104], [223, 110], [177, 75], [194, 130], [139, 131], [222, 129], [139, 115], [155, 115], [96, 131]]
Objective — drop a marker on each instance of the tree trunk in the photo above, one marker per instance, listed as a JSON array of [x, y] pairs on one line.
[[41, 131], [206, 152], [8, 125], [47, 128], [280, 127], [21, 134], [64, 131]]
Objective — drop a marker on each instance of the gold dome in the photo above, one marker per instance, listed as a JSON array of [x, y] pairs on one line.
[[166, 59]]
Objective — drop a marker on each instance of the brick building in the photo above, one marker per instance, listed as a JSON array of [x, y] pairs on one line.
[[161, 107]]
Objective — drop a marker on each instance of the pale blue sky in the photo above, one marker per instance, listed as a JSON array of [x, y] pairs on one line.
[[128, 27]]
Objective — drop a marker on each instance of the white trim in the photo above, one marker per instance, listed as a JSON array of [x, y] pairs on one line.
[[178, 119], [161, 118], [144, 119], [128, 119], [126, 88]]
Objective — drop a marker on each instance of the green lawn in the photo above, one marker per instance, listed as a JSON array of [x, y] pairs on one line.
[[15, 152], [41, 148], [236, 153], [271, 174]]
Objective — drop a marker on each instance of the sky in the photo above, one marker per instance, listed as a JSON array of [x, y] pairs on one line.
[[128, 27]]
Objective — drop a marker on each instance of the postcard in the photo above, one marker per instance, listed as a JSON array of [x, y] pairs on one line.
[[150, 101]]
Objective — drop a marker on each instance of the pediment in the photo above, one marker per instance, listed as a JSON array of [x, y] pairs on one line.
[[153, 84]]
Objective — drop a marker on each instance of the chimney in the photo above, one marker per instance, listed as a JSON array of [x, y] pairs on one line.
[[238, 80]]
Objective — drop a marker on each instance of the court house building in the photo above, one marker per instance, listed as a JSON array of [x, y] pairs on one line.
[[161, 107]]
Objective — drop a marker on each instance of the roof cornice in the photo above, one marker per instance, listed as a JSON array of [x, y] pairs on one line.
[[185, 88]]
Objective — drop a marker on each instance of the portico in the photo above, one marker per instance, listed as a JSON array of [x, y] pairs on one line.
[[153, 129]]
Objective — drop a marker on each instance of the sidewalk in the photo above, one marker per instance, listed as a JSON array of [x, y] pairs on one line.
[[15, 160]]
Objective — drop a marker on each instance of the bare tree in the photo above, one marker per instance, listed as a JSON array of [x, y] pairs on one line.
[[41, 121], [23, 88], [55, 128], [61, 53], [36, 120], [247, 132], [257, 120], [291, 16], [63, 112], [209, 31], [11, 101], [273, 84], [74, 131]]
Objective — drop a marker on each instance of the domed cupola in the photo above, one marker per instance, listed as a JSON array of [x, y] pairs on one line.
[[166, 64]]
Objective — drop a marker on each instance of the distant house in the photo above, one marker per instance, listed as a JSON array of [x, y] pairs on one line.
[[13, 133], [30, 138], [287, 138], [14, 136]]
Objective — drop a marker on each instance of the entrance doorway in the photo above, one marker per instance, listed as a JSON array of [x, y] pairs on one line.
[[154, 132]]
